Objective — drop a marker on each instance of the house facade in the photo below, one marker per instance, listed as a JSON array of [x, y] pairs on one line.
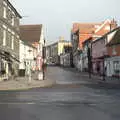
[[34, 35], [27, 55], [81, 32], [86, 58], [101, 52], [54, 50], [9, 38], [52, 53], [113, 48], [84, 31], [66, 59]]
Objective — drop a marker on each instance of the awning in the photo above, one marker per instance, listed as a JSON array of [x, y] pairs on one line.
[[5, 57], [8, 50], [8, 54], [14, 58], [8, 57]]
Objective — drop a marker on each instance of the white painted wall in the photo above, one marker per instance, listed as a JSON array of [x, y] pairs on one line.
[[25, 55], [109, 63]]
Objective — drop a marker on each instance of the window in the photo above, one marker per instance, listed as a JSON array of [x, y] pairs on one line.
[[4, 37], [4, 12], [116, 65], [13, 21], [4, 2]]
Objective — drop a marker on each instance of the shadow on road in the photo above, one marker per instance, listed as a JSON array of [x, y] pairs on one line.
[[101, 85]]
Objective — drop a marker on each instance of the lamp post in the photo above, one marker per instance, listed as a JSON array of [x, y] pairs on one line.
[[89, 58], [104, 67], [43, 55], [29, 69]]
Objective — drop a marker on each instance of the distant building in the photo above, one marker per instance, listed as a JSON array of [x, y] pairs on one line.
[[53, 51], [9, 38], [66, 58], [33, 34]]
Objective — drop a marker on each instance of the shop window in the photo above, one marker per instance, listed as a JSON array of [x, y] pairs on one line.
[[116, 65]]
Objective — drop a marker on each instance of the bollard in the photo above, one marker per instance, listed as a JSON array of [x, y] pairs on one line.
[[29, 79], [40, 76]]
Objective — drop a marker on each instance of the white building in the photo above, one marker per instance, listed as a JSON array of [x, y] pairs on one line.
[[34, 35], [27, 55]]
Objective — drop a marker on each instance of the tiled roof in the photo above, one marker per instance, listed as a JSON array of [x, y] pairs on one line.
[[87, 28], [30, 33]]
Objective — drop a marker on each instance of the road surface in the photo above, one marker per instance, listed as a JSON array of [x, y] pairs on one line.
[[73, 98]]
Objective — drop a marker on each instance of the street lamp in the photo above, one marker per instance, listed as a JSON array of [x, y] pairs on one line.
[[89, 55], [29, 69], [43, 55], [104, 67]]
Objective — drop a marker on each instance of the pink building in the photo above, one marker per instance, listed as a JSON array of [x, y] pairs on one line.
[[99, 51]]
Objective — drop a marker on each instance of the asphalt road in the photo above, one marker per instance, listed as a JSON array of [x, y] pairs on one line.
[[73, 98]]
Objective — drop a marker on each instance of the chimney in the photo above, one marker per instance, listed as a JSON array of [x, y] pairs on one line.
[[113, 24]]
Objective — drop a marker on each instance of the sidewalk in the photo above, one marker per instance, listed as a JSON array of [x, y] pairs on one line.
[[21, 83], [95, 78], [99, 79]]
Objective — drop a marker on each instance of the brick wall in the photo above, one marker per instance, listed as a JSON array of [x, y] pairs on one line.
[[114, 50]]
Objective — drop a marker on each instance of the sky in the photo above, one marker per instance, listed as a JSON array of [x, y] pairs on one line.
[[57, 16]]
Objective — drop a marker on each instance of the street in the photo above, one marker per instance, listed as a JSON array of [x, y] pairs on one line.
[[74, 97]]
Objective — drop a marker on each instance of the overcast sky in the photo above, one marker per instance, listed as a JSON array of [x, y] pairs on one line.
[[57, 16]]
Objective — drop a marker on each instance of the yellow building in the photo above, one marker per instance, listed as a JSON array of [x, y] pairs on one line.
[[53, 51], [61, 45]]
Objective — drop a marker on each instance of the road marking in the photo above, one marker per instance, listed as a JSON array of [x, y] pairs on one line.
[[17, 103]]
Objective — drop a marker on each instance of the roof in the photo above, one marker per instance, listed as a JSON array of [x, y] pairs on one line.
[[88, 28], [14, 9], [84, 28], [87, 40], [116, 38], [30, 33], [96, 28], [107, 26]]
